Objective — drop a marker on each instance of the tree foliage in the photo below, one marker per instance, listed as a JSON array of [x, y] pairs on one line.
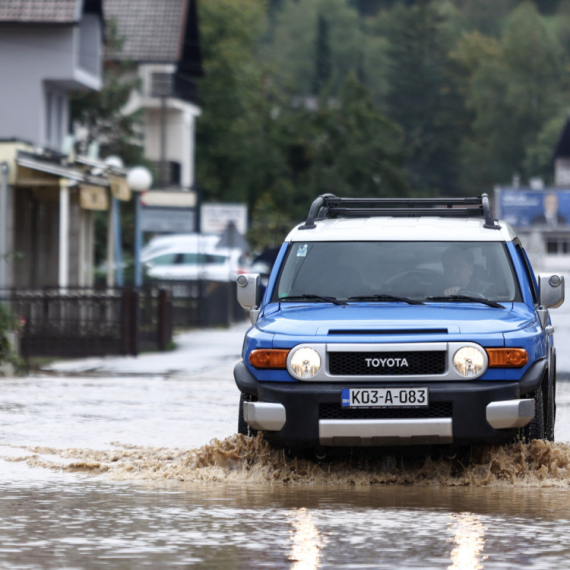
[[98, 116], [277, 148], [515, 90], [423, 97], [376, 98]]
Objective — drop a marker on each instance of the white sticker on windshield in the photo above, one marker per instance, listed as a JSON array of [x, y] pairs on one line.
[[302, 251]]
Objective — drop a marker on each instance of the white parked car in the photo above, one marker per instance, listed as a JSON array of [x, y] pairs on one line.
[[191, 258], [190, 242]]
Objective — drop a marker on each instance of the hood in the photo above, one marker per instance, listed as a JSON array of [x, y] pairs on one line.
[[315, 319]]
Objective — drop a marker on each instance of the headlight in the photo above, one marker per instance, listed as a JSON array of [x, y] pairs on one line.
[[469, 361], [305, 362]]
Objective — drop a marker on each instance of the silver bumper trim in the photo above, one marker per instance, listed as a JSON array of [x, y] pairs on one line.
[[385, 432], [264, 416], [510, 413]]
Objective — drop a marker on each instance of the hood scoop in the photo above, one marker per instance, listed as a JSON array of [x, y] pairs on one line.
[[387, 331]]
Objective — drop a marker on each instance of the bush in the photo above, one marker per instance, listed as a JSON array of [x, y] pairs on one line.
[[8, 323]]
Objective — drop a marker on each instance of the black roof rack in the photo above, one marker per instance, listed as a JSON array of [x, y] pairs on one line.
[[329, 206]]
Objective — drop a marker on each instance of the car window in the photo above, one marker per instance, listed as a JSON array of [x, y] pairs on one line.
[[216, 259], [165, 259], [413, 269], [202, 259], [529, 272]]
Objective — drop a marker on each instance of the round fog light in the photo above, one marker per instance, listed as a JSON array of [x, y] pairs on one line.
[[469, 361], [305, 362]]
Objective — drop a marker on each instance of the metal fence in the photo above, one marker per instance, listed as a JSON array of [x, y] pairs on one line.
[[202, 303], [82, 321]]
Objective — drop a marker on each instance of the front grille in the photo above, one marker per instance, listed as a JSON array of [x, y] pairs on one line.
[[355, 363], [337, 412]]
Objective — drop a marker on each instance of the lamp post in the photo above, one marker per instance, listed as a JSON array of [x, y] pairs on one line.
[[114, 234], [139, 180]]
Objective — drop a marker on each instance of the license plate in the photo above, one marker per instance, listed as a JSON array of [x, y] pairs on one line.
[[384, 398]]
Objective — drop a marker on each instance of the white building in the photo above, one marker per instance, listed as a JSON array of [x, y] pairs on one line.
[[161, 38], [48, 49]]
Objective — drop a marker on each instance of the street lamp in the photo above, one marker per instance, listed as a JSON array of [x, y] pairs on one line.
[[139, 180]]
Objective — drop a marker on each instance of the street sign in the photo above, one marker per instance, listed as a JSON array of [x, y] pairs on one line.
[[169, 199], [216, 217], [167, 220]]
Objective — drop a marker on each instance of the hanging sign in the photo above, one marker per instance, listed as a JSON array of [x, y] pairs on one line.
[[93, 197], [120, 188]]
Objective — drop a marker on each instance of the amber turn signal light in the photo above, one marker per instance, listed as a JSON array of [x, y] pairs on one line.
[[268, 358], [507, 357]]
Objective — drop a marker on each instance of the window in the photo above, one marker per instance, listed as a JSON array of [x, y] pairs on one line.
[[60, 120], [166, 259], [203, 259], [48, 123], [412, 269], [160, 84]]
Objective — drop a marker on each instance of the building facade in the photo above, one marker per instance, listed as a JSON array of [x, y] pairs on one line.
[[48, 49], [162, 40]]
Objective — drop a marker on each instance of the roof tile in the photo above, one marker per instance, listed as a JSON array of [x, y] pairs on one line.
[[152, 29], [38, 11]]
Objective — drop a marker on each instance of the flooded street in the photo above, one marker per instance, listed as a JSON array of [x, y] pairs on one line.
[[103, 466]]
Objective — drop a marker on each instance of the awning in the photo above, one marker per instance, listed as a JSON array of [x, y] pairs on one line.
[[49, 167]]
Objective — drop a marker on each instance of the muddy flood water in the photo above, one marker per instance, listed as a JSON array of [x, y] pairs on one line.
[[129, 471]]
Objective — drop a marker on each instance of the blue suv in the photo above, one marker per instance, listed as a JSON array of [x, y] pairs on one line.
[[399, 322]]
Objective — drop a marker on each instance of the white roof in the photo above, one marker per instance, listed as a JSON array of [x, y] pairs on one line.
[[402, 229]]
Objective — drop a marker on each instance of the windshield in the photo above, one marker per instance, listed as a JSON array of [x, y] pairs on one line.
[[413, 270]]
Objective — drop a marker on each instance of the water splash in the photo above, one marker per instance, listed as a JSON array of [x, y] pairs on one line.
[[240, 459]]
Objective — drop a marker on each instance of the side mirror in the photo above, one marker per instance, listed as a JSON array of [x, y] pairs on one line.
[[249, 293], [550, 291]]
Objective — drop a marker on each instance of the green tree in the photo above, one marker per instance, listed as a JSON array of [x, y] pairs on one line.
[[323, 58], [230, 132], [514, 93], [424, 97], [347, 147], [98, 116], [291, 53]]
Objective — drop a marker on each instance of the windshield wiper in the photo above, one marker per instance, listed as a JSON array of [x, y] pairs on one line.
[[468, 298], [385, 298], [316, 297]]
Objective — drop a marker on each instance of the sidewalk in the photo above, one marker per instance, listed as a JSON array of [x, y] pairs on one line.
[[196, 352]]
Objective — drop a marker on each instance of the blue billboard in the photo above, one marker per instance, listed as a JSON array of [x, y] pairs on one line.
[[543, 209]]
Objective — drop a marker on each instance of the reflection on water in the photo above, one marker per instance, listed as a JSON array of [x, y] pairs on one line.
[[469, 542], [125, 525], [306, 541]]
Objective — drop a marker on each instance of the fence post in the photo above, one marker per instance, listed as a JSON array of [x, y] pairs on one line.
[[25, 342], [126, 322], [163, 319], [134, 323]]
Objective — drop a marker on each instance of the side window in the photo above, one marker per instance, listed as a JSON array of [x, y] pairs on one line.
[[529, 272], [165, 259]]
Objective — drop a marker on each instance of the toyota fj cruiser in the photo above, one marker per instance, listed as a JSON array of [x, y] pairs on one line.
[[399, 322]]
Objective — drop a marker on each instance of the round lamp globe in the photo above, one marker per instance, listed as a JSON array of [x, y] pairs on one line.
[[139, 179]]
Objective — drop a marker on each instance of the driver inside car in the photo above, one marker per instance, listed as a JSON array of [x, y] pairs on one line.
[[459, 272]]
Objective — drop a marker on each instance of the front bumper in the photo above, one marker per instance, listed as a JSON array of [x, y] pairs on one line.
[[460, 413]]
